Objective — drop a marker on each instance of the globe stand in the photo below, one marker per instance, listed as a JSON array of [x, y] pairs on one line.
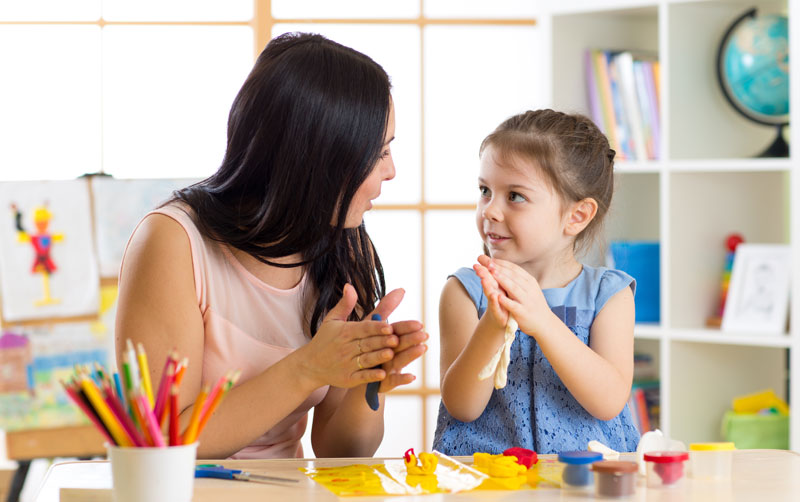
[[778, 148]]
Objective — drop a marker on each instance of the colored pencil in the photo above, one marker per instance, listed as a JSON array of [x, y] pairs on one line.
[[119, 405], [162, 412], [150, 420], [174, 428], [89, 412], [215, 392], [209, 410], [136, 379], [141, 356], [120, 394], [190, 434], [164, 384], [124, 419], [105, 413], [181, 370]]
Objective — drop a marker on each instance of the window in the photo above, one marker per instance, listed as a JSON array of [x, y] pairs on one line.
[[142, 89]]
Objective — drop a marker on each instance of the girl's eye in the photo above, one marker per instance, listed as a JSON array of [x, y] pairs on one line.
[[484, 191], [515, 197], [385, 154]]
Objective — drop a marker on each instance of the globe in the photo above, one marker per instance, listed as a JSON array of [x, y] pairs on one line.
[[753, 71]]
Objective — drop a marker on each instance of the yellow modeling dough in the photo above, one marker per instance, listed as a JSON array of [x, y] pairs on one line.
[[428, 463]]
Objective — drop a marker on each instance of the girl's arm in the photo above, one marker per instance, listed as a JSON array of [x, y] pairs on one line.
[[599, 375], [158, 307], [467, 345]]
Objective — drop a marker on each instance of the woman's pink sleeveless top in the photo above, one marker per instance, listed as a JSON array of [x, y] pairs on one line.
[[249, 325]]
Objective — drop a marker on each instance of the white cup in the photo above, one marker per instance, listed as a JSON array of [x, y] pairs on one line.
[[152, 474]]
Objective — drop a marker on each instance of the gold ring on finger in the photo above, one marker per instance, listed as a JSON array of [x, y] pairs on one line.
[[358, 361]]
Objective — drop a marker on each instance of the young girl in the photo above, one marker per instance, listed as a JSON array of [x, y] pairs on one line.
[[546, 180]]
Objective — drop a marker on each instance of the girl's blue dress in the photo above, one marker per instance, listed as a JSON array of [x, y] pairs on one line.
[[535, 410]]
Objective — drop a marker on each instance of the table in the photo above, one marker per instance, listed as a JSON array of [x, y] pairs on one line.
[[758, 475]]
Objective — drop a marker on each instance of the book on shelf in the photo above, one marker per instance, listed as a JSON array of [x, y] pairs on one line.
[[622, 89], [644, 403]]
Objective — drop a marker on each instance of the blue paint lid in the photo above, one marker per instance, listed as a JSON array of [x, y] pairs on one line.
[[579, 457]]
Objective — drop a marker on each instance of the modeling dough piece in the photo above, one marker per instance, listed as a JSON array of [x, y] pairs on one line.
[[498, 365], [505, 467], [608, 453], [524, 456], [577, 475], [669, 472], [428, 462]]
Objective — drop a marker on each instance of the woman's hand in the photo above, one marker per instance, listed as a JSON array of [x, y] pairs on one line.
[[343, 353], [346, 353], [410, 344], [519, 293], [410, 347]]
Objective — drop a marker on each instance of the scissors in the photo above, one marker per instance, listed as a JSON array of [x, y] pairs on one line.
[[220, 472]]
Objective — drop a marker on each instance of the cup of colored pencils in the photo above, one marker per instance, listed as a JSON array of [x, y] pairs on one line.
[[151, 458]]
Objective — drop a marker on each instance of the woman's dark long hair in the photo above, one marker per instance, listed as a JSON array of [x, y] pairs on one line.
[[304, 132]]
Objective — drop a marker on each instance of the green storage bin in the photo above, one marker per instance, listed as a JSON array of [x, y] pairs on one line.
[[751, 430]]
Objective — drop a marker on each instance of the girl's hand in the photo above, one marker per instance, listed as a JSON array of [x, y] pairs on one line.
[[494, 312], [344, 353], [522, 295]]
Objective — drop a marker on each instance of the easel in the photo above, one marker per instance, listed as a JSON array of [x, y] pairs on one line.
[[82, 441], [26, 445]]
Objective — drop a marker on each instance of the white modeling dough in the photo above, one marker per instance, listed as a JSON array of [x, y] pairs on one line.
[[498, 365]]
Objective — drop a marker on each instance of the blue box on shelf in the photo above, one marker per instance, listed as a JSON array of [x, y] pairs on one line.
[[641, 259]]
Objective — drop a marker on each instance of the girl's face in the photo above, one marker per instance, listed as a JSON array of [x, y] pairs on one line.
[[370, 189], [519, 216]]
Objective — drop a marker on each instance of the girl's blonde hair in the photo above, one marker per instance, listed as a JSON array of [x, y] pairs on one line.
[[572, 153]]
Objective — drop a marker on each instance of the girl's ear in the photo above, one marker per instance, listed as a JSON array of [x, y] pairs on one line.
[[579, 215]]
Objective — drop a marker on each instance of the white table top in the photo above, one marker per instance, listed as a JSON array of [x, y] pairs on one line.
[[758, 475]]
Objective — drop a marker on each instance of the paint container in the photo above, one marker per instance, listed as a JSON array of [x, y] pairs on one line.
[[665, 468], [576, 475], [711, 460], [615, 479]]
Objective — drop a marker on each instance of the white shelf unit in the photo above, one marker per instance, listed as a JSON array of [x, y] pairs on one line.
[[706, 185]]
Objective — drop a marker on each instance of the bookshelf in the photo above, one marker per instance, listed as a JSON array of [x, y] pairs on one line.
[[704, 186]]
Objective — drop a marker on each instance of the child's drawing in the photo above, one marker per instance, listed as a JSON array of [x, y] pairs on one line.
[[41, 241], [48, 267]]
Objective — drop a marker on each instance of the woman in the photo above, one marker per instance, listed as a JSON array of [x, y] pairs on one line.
[[266, 265]]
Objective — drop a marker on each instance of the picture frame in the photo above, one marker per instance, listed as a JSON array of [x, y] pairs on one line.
[[758, 293]]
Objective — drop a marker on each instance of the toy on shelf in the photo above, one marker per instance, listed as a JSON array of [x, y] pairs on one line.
[[731, 242]]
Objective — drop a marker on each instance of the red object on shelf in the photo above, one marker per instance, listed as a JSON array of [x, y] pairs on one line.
[[733, 240]]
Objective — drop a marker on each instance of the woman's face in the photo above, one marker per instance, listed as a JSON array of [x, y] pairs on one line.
[[383, 170]]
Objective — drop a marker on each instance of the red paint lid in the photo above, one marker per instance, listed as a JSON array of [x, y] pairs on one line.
[[666, 457]]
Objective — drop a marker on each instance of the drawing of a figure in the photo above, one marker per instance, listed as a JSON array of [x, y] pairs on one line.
[[42, 242], [759, 299]]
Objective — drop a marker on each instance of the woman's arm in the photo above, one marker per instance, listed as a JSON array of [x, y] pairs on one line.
[[467, 345], [158, 307], [344, 425]]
